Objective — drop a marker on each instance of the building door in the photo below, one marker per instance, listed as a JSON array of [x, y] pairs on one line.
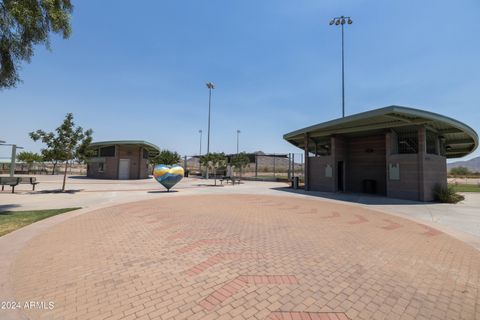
[[340, 176], [124, 169]]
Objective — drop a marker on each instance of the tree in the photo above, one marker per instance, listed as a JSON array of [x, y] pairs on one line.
[[166, 157], [29, 158], [24, 25], [460, 171], [214, 161], [240, 160], [67, 143], [51, 155]]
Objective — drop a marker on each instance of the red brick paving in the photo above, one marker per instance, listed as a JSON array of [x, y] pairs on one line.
[[205, 242], [165, 226], [286, 315], [332, 215], [218, 258], [359, 219], [190, 233], [312, 211], [112, 264], [232, 287], [430, 231], [392, 225]]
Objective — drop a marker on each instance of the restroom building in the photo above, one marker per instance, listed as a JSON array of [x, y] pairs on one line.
[[127, 159], [394, 151]]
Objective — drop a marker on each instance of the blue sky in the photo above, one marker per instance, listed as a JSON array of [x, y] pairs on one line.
[[137, 70]]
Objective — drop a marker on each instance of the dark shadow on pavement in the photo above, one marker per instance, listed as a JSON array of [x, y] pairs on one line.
[[6, 207], [70, 191], [106, 179], [362, 198], [163, 191], [208, 185]]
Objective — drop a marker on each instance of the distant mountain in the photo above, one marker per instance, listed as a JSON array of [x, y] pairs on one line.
[[472, 164]]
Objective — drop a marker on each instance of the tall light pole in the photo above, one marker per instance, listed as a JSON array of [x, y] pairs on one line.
[[238, 135], [200, 131], [341, 21], [210, 86]]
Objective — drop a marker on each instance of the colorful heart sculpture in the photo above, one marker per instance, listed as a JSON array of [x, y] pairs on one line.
[[168, 176]]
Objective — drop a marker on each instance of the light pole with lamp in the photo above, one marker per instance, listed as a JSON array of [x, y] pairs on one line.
[[238, 134], [210, 86], [341, 21], [200, 132]]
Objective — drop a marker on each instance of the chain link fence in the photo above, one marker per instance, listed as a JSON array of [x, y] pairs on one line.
[[266, 167], [46, 168]]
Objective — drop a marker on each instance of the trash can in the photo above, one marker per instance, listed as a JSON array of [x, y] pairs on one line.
[[295, 181], [369, 186], [185, 174]]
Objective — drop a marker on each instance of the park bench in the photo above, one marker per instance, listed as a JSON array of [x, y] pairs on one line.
[[15, 181], [231, 179]]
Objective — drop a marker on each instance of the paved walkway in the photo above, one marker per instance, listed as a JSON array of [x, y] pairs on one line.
[[245, 257], [461, 220]]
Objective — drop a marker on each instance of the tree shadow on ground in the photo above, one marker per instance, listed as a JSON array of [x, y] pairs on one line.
[[69, 191]]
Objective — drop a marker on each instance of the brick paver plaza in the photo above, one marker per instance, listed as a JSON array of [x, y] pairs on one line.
[[246, 257]]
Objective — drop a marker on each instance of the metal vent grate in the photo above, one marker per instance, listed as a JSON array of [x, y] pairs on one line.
[[407, 140]]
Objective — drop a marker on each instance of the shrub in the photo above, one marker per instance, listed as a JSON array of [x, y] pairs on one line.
[[166, 157], [460, 171], [446, 194]]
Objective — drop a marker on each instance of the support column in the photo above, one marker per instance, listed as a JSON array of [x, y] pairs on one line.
[[289, 173], [307, 163], [388, 152], [422, 151], [12, 160]]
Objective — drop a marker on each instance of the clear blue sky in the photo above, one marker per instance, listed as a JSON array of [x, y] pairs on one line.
[[137, 69]]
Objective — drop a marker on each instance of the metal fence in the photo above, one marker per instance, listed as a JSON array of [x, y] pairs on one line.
[[46, 168], [274, 166]]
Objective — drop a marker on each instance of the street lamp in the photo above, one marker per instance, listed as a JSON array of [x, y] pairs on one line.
[[210, 86], [200, 131], [238, 134], [341, 21]]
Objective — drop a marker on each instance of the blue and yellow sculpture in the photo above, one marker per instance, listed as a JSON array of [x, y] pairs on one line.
[[168, 176]]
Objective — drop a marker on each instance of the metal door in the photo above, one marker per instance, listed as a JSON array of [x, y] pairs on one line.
[[124, 169]]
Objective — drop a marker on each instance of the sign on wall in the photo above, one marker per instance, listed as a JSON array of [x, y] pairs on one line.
[[328, 171], [394, 171]]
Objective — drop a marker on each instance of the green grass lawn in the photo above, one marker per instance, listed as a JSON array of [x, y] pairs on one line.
[[466, 187], [13, 220]]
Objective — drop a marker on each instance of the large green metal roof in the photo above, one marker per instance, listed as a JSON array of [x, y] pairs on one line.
[[152, 149], [460, 139]]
